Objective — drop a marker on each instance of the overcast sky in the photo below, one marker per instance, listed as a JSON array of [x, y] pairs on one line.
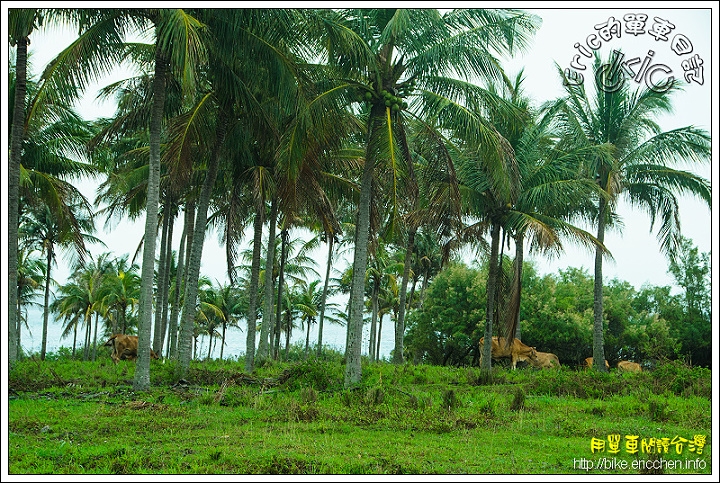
[[637, 256]]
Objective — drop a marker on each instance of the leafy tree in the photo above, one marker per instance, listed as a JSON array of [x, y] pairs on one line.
[[446, 330], [693, 330], [556, 313]]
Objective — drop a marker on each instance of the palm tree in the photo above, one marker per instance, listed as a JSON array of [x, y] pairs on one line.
[[46, 233], [179, 49], [233, 306], [121, 294], [237, 80], [387, 54], [79, 300], [550, 195], [21, 23], [56, 131], [637, 164]]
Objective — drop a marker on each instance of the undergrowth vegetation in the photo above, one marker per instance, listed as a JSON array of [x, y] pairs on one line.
[[69, 416]]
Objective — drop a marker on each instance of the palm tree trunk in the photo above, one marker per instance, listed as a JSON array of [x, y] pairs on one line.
[[88, 332], [222, 342], [166, 285], [373, 318], [288, 333], [46, 305], [193, 269], [97, 322], [485, 358], [17, 133], [331, 242], [252, 302], [353, 350], [74, 338], [398, 356], [141, 382], [423, 287], [162, 286], [519, 245], [267, 319], [307, 340], [598, 340], [379, 337], [281, 283], [180, 279]]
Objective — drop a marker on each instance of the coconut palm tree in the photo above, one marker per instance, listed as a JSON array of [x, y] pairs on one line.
[[121, 295], [386, 55], [46, 119], [638, 164], [550, 199], [41, 230], [21, 23]]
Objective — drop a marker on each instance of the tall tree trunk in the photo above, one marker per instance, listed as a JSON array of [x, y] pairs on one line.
[[46, 304], [253, 295], [398, 355], [485, 358], [379, 337], [162, 287], [17, 134], [141, 382], [268, 314], [19, 321], [193, 268], [166, 285], [598, 339], [353, 350], [331, 243], [281, 286], [373, 318], [222, 341], [288, 333], [97, 322], [307, 340], [75, 326], [519, 256], [180, 279], [88, 333]]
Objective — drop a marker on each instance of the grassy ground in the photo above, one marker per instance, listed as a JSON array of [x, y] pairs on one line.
[[70, 417]]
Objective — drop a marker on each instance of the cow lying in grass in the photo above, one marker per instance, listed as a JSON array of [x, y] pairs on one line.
[[546, 360], [125, 347], [627, 366]]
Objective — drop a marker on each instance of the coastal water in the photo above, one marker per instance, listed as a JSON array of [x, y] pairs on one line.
[[235, 340]]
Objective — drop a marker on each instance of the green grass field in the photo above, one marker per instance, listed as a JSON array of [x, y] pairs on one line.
[[70, 417]]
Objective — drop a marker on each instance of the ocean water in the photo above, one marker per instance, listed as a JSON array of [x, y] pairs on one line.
[[235, 339]]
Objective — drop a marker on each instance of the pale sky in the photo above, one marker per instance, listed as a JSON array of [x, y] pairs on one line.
[[637, 256]]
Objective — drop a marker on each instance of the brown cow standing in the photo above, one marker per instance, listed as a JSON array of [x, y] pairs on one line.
[[125, 348], [517, 351], [627, 366], [589, 363], [546, 360]]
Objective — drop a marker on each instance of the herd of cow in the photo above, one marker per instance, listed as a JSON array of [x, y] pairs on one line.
[[125, 348], [519, 352]]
